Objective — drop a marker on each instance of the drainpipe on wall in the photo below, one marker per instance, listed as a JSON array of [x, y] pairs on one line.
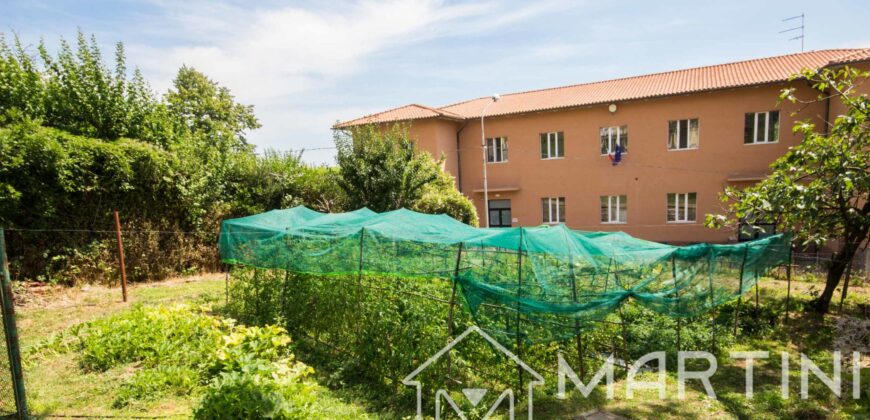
[[458, 157]]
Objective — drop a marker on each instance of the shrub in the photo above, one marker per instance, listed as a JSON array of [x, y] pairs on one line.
[[178, 349], [260, 390], [151, 335]]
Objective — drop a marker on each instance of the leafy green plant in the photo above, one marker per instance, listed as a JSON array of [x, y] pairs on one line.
[[152, 336], [150, 384], [259, 390]]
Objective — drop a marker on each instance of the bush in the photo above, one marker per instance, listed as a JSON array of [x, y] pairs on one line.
[[179, 349], [260, 390], [151, 335]]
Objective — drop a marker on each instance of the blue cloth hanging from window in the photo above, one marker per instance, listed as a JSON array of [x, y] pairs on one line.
[[617, 157]]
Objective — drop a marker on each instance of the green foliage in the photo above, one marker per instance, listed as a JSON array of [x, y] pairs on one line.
[[76, 92], [152, 336], [249, 371], [208, 112], [151, 384], [263, 390], [380, 168], [441, 196], [370, 332], [820, 189]]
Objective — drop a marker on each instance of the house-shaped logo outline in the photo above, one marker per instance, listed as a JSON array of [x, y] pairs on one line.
[[409, 380]]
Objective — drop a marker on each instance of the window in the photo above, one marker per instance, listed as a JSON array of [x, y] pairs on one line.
[[613, 136], [553, 209], [496, 150], [761, 127], [552, 145], [500, 213], [681, 207], [614, 208], [683, 134]]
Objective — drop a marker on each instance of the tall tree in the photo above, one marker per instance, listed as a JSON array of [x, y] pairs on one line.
[[820, 189], [381, 169], [203, 108]]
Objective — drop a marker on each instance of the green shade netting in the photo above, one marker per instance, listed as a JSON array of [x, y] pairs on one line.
[[542, 283]]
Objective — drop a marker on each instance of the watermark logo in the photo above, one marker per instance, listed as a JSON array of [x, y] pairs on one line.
[[474, 395]]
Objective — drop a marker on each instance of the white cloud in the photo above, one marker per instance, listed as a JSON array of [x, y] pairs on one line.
[[268, 56]]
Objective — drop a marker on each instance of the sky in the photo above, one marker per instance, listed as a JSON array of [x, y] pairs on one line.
[[306, 65]]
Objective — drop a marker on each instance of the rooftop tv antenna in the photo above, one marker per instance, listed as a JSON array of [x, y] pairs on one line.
[[796, 28]]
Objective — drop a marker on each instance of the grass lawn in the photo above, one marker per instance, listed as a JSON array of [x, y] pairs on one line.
[[56, 386]]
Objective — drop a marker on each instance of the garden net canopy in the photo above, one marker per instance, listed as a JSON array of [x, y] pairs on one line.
[[539, 283]]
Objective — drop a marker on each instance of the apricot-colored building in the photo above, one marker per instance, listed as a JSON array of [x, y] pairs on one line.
[[682, 137]]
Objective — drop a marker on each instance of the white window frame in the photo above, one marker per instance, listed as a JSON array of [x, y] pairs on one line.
[[610, 138], [688, 140], [613, 202], [553, 143], [684, 208], [491, 145], [553, 209], [766, 130]]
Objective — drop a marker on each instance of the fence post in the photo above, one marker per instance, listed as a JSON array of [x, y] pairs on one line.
[[121, 256], [679, 319], [451, 328], [577, 335], [519, 296], [788, 280], [740, 290], [11, 330]]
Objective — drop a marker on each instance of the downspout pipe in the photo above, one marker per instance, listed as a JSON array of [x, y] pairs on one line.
[[459, 157]]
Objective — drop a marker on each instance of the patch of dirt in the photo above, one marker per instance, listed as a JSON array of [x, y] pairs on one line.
[[44, 295], [852, 334]]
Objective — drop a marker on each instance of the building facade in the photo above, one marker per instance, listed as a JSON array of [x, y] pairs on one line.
[[647, 155]]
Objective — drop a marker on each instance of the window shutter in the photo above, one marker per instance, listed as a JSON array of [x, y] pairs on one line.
[[773, 128], [748, 124]]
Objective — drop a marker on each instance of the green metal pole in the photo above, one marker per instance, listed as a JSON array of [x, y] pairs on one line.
[[740, 290], [12, 332], [519, 296]]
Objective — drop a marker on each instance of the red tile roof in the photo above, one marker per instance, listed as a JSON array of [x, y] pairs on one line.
[[699, 79], [403, 113]]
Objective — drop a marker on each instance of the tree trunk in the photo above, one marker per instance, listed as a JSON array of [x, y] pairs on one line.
[[839, 261]]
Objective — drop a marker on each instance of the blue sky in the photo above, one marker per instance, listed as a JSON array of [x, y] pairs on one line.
[[304, 65]]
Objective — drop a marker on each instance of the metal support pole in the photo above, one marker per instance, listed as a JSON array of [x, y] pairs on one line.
[[121, 256], [9, 326], [679, 319], [756, 292], [712, 302], [740, 290], [227, 286], [577, 335], [519, 296], [451, 328], [788, 280]]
